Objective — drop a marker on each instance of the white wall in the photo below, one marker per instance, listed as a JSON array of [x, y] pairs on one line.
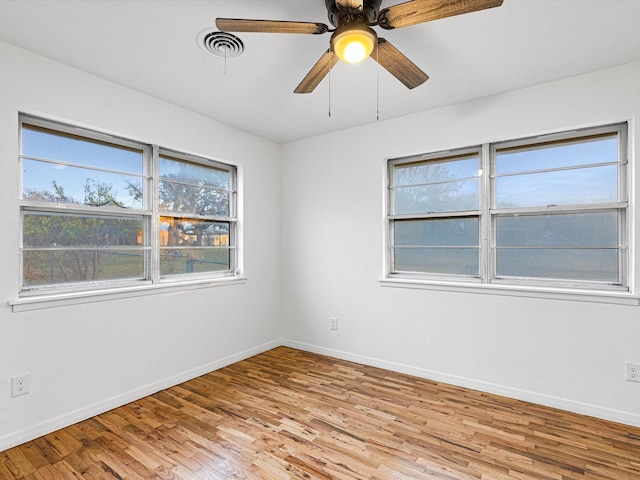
[[85, 358], [563, 353]]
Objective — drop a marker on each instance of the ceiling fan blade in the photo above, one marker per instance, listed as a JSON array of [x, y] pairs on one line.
[[317, 73], [269, 26], [350, 4], [420, 11], [392, 60]]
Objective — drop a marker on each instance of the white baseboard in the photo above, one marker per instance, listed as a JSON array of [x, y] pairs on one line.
[[626, 418], [51, 425]]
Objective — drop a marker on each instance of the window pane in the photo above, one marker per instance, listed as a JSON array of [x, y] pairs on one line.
[[194, 260], [435, 171], [563, 187], [66, 230], [594, 229], [79, 186], [440, 197], [567, 246], [183, 232], [193, 246], [583, 151], [43, 143], [595, 264], [193, 188], [196, 200], [452, 261], [42, 267], [193, 174], [447, 232]]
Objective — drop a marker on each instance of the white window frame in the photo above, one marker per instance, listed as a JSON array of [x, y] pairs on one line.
[[450, 155], [232, 219], [151, 282], [488, 281]]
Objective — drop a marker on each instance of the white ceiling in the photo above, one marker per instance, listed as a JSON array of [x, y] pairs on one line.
[[151, 46]]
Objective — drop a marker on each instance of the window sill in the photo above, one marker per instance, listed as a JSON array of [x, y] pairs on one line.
[[25, 304], [620, 298]]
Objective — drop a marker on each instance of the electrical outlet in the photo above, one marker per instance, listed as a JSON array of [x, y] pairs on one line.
[[19, 385], [334, 323], [632, 372]]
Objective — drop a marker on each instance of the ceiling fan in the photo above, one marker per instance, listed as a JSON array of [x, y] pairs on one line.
[[353, 40]]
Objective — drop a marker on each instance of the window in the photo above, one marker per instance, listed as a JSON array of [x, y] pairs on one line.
[[435, 204], [98, 211], [196, 233], [549, 211]]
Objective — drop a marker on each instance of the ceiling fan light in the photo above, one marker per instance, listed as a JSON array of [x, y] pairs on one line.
[[353, 43]]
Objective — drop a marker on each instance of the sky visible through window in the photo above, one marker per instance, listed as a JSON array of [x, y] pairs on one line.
[[592, 184], [72, 162], [567, 173]]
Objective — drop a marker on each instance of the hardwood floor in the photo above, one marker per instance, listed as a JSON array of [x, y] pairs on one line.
[[287, 414]]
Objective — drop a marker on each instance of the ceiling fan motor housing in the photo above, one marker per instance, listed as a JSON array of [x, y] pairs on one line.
[[338, 16]]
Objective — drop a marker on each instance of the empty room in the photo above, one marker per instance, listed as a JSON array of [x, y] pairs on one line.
[[307, 239]]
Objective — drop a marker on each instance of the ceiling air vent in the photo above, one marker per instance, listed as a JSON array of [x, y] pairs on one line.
[[220, 44]]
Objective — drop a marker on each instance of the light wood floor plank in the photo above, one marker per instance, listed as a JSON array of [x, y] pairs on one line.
[[288, 414]]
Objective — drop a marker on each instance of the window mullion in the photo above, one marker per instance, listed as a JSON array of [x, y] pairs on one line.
[[625, 217], [70, 208], [154, 222], [411, 216], [555, 209], [21, 247], [233, 223], [390, 231], [487, 202]]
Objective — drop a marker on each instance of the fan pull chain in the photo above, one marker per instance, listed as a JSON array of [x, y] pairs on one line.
[[329, 74], [377, 85]]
